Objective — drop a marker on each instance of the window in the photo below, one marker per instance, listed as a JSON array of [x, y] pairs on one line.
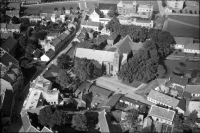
[[111, 67]]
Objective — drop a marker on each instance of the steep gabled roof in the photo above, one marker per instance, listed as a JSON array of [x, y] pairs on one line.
[[38, 53], [9, 44], [179, 80], [182, 104], [194, 89], [6, 35], [104, 122], [6, 58], [194, 46], [51, 73], [12, 13], [96, 10], [114, 99], [7, 103]]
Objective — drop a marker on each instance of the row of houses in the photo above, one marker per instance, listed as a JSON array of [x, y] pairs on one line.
[[6, 28]]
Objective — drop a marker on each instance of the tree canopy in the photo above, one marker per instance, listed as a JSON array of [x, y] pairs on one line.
[[63, 79], [84, 69], [64, 61], [132, 117], [79, 122]]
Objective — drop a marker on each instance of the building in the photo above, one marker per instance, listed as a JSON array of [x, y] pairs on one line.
[[94, 14], [162, 99], [52, 35], [194, 105], [105, 7], [105, 122], [92, 25], [32, 1], [145, 9], [34, 19], [3, 28], [181, 107], [104, 31], [127, 8], [162, 115], [110, 60], [112, 39], [82, 5], [104, 21], [6, 35], [113, 101], [194, 91], [13, 28], [12, 13], [51, 73], [175, 4], [10, 45], [30, 121], [181, 42], [15, 6], [178, 81], [192, 48], [100, 91]]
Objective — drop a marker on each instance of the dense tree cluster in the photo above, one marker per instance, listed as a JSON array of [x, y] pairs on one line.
[[132, 117], [63, 79], [84, 69], [51, 116], [79, 122], [64, 61]]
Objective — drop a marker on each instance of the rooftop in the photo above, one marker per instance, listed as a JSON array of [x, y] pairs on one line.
[[170, 101], [194, 89], [179, 80], [183, 40], [37, 53], [114, 99], [14, 5], [7, 103], [13, 26], [162, 113], [12, 13], [104, 122], [106, 6], [6, 58], [55, 41], [6, 35], [50, 53], [194, 46], [9, 45], [100, 90], [182, 104], [91, 23], [51, 73]]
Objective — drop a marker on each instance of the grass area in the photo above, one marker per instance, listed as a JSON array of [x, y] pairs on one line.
[[189, 19], [49, 8], [181, 30]]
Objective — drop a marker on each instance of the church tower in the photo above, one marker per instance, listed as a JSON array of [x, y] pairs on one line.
[[134, 6], [116, 63]]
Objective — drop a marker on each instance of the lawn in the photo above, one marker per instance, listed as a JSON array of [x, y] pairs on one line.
[[48, 8], [189, 19], [181, 30]]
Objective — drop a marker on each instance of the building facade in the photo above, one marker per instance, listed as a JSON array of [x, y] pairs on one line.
[[175, 4], [126, 8]]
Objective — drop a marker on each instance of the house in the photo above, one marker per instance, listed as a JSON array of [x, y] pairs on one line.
[[13, 28], [32, 1], [194, 105], [110, 60], [113, 101], [52, 35], [6, 58], [92, 25], [3, 28], [30, 122], [175, 4], [80, 89], [10, 45], [162, 115], [48, 55], [6, 35], [112, 39], [178, 81], [105, 122], [37, 54], [127, 7], [145, 9], [143, 22], [104, 31], [181, 42], [35, 19], [95, 14], [104, 21], [194, 91], [160, 98], [100, 91], [192, 48], [181, 107], [7, 106], [12, 13], [15, 6], [105, 7], [82, 5]]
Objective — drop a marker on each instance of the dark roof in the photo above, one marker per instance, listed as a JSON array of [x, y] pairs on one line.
[[51, 73], [182, 104], [7, 103], [55, 42], [13, 26], [195, 89], [187, 95], [88, 85], [9, 44], [100, 90], [106, 6], [6, 35], [32, 129], [96, 10], [10, 77], [50, 53], [6, 58], [114, 99], [63, 36], [38, 53], [128, 99], [179, 80], [82, 87]]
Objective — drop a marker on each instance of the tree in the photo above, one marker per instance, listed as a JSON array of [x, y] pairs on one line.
[[192, 117], [22, 41], [59, 118], [79, 122], [71, 102], [40, 35], [25, 64], [55, 9], [64, 61], [112, 12], [30, 48], [161, 71], [15, 20], [63, 9], [63, 78], [71, 10], [132, 117], [144, 108], [84, 69], [78, 8], [146, 130]]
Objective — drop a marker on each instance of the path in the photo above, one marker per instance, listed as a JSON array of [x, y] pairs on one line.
[[121, 88]]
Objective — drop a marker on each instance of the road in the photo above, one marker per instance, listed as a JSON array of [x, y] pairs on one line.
[[118, 87]]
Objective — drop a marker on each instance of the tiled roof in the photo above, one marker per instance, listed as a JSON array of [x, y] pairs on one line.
[[51, 73], [6, 35], [50, 53], [182, 104], [63, 36], [55, 42], [179, 80], [9, 44], [194, 46], [163, 98], [114, 99], [12, 13], [6, 58], [98, 55], [14, 5], [195, 89], [38, 53], [183, 40], [106, 6], [13, 26], [7, 103], [163, 113], [104, 122], [3, 25], [100, 90], [53, 34], [166, 128]]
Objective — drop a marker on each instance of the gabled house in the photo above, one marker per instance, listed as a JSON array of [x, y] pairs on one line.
[[51, 73], [12, 13], [15, 6], [92, 25], [105, 7], [13, 28], [10, 45], [194, 91], [162, 99], [95, 14], [181, 42], [178, 81], [192, 48], [181, 107], [112, 39], [162, 115]]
